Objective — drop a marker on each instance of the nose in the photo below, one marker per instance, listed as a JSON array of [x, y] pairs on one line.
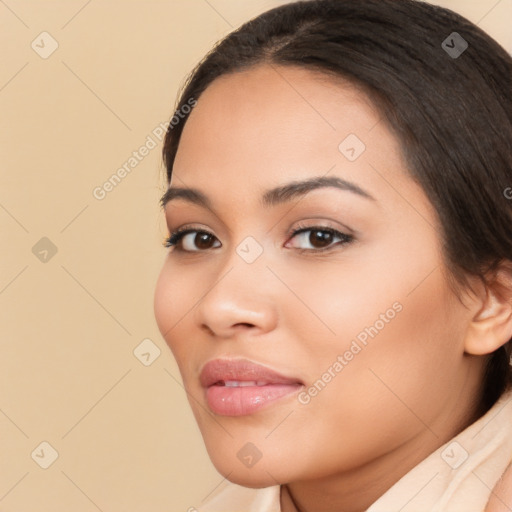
[[239, 297]]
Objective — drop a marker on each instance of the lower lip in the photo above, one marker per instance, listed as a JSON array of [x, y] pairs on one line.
[[243, 400]]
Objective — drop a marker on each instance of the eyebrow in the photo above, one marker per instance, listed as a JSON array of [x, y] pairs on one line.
[[271, 197]]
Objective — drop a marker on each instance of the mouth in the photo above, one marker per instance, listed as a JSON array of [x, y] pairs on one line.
[[238, 387]]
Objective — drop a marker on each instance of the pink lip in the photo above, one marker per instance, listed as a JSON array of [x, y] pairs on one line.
[[250, 386]]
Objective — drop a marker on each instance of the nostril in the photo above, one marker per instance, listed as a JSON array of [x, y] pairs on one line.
[[245, 324], [208, 329]]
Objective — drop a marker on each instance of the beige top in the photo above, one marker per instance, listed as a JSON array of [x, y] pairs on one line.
[[458, 477]]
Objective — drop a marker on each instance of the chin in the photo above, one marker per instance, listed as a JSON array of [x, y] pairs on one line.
[[230, 464]]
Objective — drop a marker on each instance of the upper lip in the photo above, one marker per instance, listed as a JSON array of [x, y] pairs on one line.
[[241, 370]]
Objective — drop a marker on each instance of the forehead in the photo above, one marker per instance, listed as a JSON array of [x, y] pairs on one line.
[[273, 124], [274, 105]]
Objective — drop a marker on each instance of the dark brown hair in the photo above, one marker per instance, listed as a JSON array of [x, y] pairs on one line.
[[449, 105]]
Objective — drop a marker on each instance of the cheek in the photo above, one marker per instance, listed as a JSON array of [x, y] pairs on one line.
[[395, 281], [162, 305], [174, 299], [393, 320], [401, 353]]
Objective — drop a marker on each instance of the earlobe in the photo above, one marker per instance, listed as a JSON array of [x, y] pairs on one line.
[[491, 326]]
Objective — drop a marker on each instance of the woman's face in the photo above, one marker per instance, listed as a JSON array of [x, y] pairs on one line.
[[355, 316]]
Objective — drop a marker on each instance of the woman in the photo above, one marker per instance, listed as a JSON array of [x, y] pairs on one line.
[[338, 291]]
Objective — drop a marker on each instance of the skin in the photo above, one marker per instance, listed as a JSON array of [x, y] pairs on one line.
[[412, 388]]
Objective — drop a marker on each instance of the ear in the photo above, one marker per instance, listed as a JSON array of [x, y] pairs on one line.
[[491, 325]]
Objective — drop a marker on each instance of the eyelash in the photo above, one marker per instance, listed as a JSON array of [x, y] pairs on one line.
[[176, 236]]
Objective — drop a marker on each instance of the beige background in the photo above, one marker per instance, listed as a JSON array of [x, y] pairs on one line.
[[69, 325]]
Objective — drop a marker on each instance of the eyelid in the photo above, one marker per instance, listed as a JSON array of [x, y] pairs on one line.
[[315, 223], [345, 237], [183, 231], [321, 223]]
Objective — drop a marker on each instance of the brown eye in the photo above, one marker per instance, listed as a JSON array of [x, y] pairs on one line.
[[318, 238], [203, 240], [191, 240]]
